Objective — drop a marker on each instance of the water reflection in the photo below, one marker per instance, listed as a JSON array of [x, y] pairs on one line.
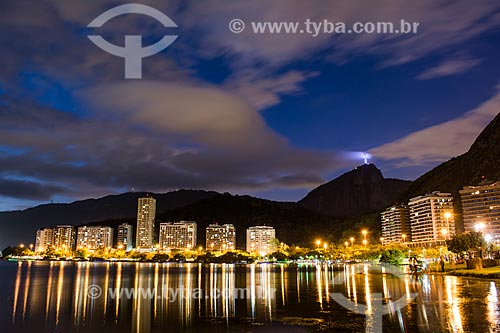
[[55, 296]]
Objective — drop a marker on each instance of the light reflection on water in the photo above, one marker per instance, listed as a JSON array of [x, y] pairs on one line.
[[54, 296]]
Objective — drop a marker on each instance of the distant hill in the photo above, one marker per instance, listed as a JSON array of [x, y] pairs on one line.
[[360, 191], [481, 161], [20, 226], [294, 224]]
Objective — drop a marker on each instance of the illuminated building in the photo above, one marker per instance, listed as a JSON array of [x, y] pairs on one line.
[[220, 237], [146, 212], [431, 219], [64, 237], [395, 224], [94, 237], [44, 239], [481, 208], [260, 238], [178, 235], [124, 238]]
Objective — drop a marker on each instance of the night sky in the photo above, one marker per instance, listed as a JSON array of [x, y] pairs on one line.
[[271, 115]]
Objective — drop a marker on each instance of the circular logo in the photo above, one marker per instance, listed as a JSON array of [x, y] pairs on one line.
[[236, 26], [94, 291]]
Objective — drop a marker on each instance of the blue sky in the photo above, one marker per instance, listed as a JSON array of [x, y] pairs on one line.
[[272, 115]]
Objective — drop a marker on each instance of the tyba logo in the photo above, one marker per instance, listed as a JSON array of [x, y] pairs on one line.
[[132, 52]]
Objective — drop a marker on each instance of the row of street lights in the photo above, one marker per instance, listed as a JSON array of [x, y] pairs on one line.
[[364, 232], [318, 244]]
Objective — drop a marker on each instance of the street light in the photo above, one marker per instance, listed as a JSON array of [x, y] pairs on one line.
[[346, 244], [325, 246], [318, 243], [382, 240], [364, 232], [352, 240], [479, 226], [444, 232], [403, 236]]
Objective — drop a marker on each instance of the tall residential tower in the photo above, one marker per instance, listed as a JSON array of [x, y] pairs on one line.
[[432, 219], [396, 225], [146, 213]]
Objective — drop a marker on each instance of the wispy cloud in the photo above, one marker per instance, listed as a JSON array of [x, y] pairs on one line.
[[440, 142], [263, 91], [443, 25], [449, 67]]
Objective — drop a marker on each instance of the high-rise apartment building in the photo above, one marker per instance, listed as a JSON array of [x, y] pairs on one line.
[[220, 237], [94, 237], [64, 237], [178, 235], [124, 238], [431, 218], [260, 239], [481, 208], [396, 225], [146, 213], [44, 239]]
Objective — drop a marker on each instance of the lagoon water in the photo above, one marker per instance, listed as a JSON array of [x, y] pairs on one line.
[[39, 297]]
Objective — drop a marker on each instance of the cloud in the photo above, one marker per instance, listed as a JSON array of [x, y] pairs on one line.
[[158, 136], [449, 67], [443, 25], [174, 130], [170, 132], [24, 189], [263, 91], [440, 142]]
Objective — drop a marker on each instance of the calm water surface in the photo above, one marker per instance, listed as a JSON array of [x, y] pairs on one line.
[[44, 297]]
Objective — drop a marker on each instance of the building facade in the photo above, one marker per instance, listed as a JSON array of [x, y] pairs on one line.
[[260, 239], [178, 235], [221, 237], [431, 218], [146, 213], [64, 237], [44, 239], [124, 237], [396, 225], [94, 237], [481, 208]]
